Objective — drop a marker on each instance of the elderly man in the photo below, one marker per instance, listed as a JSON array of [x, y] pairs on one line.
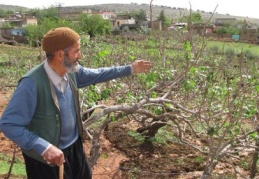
[[43, 115]]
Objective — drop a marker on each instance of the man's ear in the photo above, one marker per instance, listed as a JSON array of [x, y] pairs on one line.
[[59, 54]]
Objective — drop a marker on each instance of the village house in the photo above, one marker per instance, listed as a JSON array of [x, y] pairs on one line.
[[16, 31], [122, 19], [201, 29], [105, 15], [18, 20]]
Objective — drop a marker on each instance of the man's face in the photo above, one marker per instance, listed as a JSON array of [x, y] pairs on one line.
[[71, 58], [71, 65]]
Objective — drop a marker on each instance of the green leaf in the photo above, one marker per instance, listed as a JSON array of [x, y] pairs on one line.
[[210, 77], [103, 53], [187, 46], [257, 88], [192, 70], [226, 124], [254, 135], [189, 85]]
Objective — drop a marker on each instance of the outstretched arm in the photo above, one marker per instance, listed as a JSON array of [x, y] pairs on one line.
[[87, 76]]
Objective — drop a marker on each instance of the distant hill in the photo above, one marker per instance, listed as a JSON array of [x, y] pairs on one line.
[[15, 8], [171, 12]]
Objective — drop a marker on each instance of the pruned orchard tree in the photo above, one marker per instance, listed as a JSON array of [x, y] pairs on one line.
[[194, 90]]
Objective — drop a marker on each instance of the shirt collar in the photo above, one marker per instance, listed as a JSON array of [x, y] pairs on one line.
[[53, 76]]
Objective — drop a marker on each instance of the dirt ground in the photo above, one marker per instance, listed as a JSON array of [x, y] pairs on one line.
[[122, 157]]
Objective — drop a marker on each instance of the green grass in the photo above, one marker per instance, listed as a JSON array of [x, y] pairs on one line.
[[253, 48], [18, 169]]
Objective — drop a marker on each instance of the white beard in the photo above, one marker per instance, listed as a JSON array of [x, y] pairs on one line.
[[73, 69]]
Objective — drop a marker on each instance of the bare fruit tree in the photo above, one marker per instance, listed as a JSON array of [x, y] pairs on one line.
[[196, 92]]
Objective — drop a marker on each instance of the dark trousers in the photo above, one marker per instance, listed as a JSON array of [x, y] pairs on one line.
[[75, 167]]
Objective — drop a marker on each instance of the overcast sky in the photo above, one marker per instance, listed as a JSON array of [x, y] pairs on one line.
[[246, 8]]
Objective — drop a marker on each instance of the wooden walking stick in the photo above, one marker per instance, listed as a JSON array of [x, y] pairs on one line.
[[61, 171]]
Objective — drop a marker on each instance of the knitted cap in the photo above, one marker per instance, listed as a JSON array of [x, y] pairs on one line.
[[58, 39]]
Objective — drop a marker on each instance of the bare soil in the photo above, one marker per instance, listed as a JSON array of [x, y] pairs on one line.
[[123, 157]]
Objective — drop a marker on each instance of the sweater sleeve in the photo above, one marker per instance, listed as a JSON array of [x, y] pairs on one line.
[[87, 76], [18, 114]]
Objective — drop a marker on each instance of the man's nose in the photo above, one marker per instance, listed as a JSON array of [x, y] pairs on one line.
[[79, 56]]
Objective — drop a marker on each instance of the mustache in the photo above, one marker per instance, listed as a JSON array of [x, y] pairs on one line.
[[76, 60]]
